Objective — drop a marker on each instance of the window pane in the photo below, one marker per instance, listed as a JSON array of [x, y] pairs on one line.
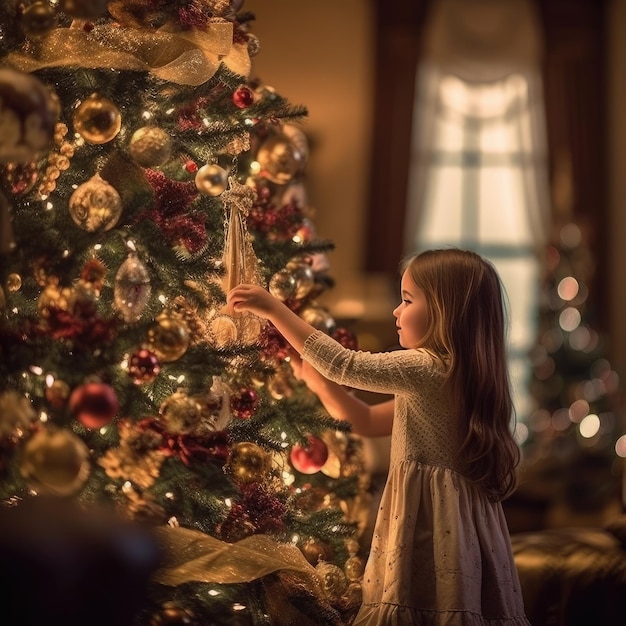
[[499, 138], [504, 218], [520, 279], [442, 192]]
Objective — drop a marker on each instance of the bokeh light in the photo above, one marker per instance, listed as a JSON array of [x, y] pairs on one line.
[[589, 426]]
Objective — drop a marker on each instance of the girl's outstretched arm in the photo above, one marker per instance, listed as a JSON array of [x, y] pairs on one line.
[[262, 303], [369, 421]]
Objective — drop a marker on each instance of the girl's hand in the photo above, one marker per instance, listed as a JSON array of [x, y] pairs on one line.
[[254, 299], [305, 372], [261, 302]]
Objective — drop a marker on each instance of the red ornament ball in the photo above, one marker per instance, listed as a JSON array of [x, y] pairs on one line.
[[243, 97], [94, 405], [191, 167], [346, 338], [311, 458], [244, 405], [20, 177], [143, 366]]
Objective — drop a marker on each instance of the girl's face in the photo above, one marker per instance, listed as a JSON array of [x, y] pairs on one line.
[[411, 314]]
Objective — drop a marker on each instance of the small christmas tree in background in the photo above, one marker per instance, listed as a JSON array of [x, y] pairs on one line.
[[575, 443], [144, 173]]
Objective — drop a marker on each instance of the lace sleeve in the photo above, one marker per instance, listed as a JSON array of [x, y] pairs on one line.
[[384, 372]]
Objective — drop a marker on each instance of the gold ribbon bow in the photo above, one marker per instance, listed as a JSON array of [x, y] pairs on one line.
[[186, 57]]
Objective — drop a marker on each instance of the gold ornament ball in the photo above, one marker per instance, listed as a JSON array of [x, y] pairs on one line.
[[248, 462], [253, 44], [299, 140], [95, 205], [181, 413], [304, 276], [38, 19], [16, 413], [84, 9], [279, 159], [283, 285], [55, 462], [97, 120], [53, 297], [58, 394], [211, 180], [352, 546], [169, 338], [279, 386], [334, 581], [318, 317], [249, 328], [353, 597], [172, 615], [150, 146], [224, 331], [315, 551], [14, 283], [354, 568]]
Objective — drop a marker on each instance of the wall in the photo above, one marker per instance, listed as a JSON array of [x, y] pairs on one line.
[[320, 54]]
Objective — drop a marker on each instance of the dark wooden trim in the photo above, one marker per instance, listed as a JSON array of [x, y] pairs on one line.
[[398, 41]]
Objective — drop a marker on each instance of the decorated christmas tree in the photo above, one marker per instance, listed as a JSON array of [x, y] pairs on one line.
[[573, 450], [144, 171]]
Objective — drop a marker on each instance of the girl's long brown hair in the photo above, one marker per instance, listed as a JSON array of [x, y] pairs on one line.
[[467, 325]]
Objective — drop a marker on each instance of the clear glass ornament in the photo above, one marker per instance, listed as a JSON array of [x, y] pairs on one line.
[[132, 288]]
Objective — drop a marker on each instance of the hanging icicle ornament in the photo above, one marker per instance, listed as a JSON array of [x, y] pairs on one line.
[[228, 327], [132, 288]]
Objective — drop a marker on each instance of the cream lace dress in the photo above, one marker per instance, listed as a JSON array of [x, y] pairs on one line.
[[441, 553]]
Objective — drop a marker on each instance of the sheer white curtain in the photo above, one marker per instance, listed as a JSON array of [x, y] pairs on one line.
[[479, 177]]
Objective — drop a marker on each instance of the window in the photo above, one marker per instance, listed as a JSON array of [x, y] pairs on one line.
[[478, 181]]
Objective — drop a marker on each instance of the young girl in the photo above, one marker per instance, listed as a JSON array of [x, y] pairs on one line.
[[441, 553]]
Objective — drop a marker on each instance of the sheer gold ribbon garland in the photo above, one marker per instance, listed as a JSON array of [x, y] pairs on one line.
[[192, 556], [185, 57]]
